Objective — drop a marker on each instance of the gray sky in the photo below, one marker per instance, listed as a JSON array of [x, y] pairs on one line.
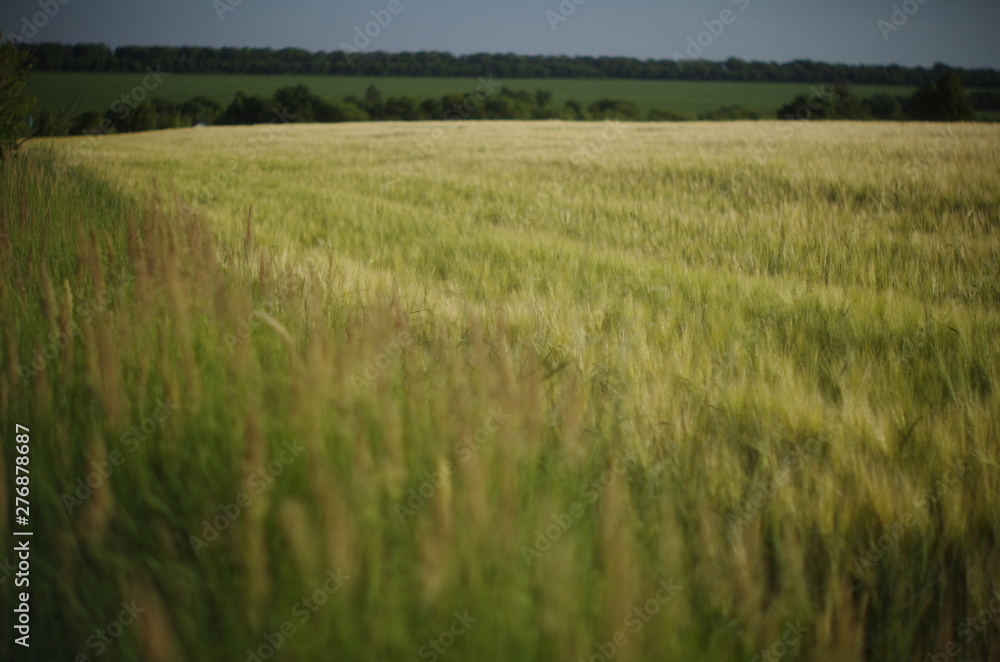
[[956, 32]]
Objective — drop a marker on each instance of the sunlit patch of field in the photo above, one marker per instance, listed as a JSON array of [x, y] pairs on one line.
[[536, 369]]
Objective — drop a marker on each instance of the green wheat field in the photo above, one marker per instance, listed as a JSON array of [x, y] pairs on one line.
[[506, 391], [87, 90]]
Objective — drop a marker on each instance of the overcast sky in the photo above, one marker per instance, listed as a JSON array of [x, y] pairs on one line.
[[912, 32]]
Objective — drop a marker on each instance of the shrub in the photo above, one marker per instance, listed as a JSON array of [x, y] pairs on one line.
[[730, 113], [245, 109], [621, 109], [202, 109], [664, 115], [885, 107], [944, 100], [340, 111]]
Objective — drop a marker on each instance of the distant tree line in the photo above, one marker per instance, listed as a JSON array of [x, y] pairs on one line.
[[297, 103], [942, 100], [289, 61]]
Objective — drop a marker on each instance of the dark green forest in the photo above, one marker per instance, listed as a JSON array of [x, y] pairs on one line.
[[288, 61]]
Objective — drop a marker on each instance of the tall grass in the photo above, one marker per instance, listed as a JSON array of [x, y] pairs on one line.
[[759, 368]]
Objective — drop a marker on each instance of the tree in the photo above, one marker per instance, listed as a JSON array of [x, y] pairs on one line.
[[130, 118], [944, 100], [15, 102], [402, 108], [340, 111], [431, 109], [801, 108], [245, 109], [730, 113], [845, 105], [506, 108], [572, 110], [202, 109], [985, 100], [373, 103], [51, 123], [622, 109], [841, 105], [373, 95], [89, 121], [663, 115], [297, 101], [885, 107], [453, 107]]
